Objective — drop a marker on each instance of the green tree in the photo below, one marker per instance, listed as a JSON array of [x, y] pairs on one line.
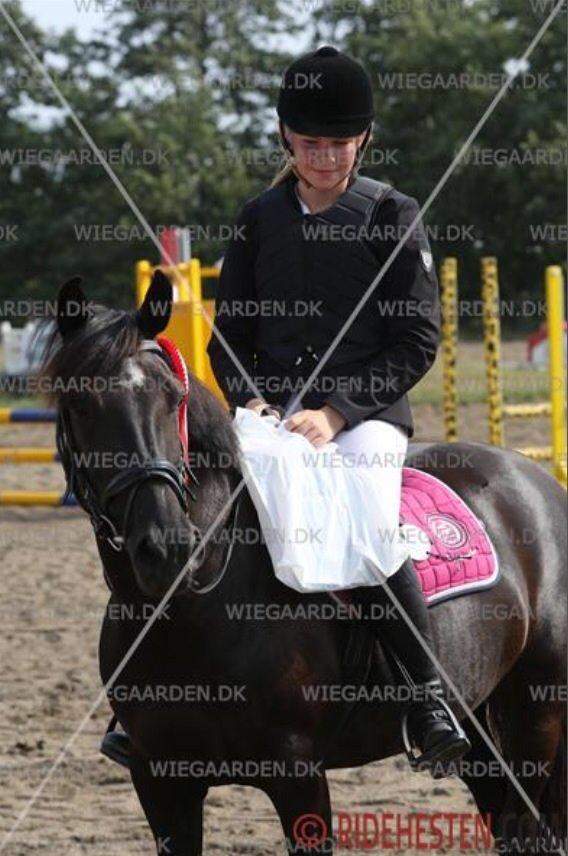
[[178, 101], [422, 123]]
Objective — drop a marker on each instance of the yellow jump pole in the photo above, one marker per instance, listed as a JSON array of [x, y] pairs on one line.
[[449, 294], [492, 347], [143, 279], [31, 497], [197, 320], [181, 274], [27, 455], [554, 286]]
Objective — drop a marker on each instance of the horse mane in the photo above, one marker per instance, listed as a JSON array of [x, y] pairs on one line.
[[99, 348], [96, 349], [210, 427]]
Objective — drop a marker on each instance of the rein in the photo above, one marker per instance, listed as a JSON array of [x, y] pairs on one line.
[[221, 573]]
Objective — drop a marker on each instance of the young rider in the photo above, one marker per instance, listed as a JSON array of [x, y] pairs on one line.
[[358, 400]]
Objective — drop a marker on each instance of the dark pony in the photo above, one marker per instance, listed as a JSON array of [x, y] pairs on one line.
[[504, 648]]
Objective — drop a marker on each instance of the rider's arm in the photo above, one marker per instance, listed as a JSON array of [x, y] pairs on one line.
[[236, 325], [408, 297]]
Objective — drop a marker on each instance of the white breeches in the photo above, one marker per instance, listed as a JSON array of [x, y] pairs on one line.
[[380, 448]]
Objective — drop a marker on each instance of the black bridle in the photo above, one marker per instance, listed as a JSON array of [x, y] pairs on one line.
[[177, 476]]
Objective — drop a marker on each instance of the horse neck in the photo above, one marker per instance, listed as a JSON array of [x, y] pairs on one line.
[[249, 575]]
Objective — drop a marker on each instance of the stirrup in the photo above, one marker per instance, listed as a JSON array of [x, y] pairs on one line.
[[444, 752], [116, 745]]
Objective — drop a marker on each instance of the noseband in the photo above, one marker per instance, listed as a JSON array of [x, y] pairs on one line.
[[177, 476]]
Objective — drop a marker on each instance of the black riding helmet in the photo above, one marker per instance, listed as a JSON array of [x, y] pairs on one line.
[[325, 93]]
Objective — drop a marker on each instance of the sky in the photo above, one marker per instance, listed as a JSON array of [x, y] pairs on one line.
[[88, 15], [61, 14]]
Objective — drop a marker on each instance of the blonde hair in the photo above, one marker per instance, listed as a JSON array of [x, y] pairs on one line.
[[282, 175], [284, 170]]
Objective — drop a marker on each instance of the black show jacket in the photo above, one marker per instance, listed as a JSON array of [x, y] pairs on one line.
[[290, 281]]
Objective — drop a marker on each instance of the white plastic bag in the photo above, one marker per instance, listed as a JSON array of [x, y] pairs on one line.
[[319, 525]]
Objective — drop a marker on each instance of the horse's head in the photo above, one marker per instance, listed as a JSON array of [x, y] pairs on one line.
[[118, 398]]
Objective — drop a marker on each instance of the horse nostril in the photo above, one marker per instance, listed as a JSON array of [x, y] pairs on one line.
[[151, 549]]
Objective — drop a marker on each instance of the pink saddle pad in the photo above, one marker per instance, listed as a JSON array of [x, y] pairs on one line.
[[457, 553], [457, 556]]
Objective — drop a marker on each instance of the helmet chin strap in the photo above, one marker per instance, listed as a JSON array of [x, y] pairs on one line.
[[290, 160]]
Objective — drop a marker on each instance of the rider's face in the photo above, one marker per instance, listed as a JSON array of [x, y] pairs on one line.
[[323, 160]]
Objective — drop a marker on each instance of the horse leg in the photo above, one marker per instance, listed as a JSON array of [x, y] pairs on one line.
[[530, 737], [480, 771], [304, 809], [555, 798], [173, 807]]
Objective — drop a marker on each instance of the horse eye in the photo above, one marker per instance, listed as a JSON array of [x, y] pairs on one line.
[[83, 411]]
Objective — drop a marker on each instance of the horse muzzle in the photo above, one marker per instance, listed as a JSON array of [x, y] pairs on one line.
[[159, 555]]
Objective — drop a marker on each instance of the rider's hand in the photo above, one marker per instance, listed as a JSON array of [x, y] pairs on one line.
[[255, 404], [319, 426], [258, 405]]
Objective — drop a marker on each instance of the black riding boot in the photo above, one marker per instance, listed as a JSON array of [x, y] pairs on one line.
[[432, 735]]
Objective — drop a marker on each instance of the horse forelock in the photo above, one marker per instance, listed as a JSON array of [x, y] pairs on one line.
[[101, 350], [133, 376]]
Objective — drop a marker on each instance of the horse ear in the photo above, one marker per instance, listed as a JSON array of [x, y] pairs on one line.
[[154, 314], [72, 307]]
